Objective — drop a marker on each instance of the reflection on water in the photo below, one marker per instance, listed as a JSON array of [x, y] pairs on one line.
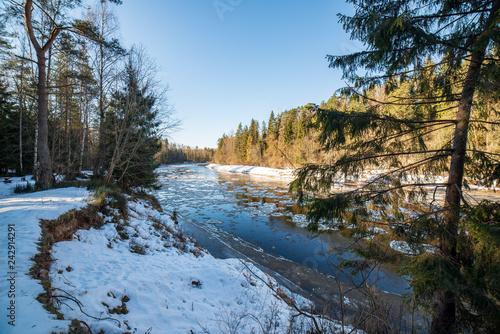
[[259, 210]]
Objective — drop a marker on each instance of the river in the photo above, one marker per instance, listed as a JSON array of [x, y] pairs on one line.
[[257, 217]]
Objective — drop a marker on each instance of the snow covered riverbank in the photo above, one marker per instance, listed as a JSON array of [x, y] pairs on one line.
[[286, 174], [365, 176], [142, 278]]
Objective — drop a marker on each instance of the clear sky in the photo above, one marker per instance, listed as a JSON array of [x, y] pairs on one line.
[[228, 61]]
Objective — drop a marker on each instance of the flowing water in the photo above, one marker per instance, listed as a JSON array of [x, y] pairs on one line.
[[257, 217]]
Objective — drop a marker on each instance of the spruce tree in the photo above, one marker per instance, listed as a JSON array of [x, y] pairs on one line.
[[133, 127], [271, 124], [401, 38]]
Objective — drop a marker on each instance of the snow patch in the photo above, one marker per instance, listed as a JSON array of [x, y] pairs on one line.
[[253, 170]]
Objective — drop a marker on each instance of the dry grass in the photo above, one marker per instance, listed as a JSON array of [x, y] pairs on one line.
[[60, 229]]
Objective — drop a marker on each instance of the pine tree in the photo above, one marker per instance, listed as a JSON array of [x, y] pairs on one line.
[[44, 21], [401, 36], [239, 142], [271, 124]]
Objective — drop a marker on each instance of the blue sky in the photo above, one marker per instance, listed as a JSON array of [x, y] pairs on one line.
[[228, 61]]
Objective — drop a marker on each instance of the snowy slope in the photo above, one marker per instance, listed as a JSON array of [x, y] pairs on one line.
[[25, 212], [153, 281], [168, 290]]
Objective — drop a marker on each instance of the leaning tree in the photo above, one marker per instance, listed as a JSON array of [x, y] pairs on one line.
[[432, 59]]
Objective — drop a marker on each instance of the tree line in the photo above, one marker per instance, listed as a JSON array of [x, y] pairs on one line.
[[74, 98], [286, 140], [172, 153], [293, 138]]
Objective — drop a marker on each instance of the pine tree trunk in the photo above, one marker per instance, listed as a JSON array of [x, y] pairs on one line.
[[101, 149], [82, 144], [444, 319], [44, 178], [68, 132], [83, 119]]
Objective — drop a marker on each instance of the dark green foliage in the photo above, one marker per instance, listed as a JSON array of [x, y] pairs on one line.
[[370, 141], [25, 188], [474, 275], [132, 131], [422, 73], [271, 125], [4, 44], [10, 114], [285, 141], [9, 128], [401, 35]]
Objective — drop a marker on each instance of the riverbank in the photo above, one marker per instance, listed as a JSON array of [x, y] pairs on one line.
[[475, 188], [133, 274], [286, 174]]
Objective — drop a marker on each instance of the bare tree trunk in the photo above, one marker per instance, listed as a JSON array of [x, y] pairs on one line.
[[82, 144], [20, 136], [67, 131], [121, 141], [68, 167], [35, 154], [45, 178], [101, 148]]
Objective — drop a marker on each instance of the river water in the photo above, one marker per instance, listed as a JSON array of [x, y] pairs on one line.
[[259, 213]]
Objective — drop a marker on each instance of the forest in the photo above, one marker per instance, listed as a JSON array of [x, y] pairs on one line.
[[292, 138], [172, 153], [74, 98]]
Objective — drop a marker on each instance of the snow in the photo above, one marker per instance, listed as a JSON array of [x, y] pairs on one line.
[[164, 283], [333, 224], [286, 174], [364, 177], [6, 189], [170, 288], [377, 230], [404, 247], [25, 212]]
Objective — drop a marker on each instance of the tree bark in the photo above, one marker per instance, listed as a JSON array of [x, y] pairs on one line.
[[98, 168], [444, 318], [21, 104], [44, 175], [82, 144], [44, 178]]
